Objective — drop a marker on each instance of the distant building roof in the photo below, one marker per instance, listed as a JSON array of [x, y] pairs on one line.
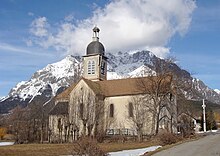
[[61, 108]]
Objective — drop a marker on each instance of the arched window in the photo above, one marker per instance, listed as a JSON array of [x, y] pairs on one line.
[[81, 110], [93, 67], [89, 67], [59, 123], [111, 111], [130, 109], [103, 68]]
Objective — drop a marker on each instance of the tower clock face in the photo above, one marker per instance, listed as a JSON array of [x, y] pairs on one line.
[[103, 68]]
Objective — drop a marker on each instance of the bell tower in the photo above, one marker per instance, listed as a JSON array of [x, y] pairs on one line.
[[95, 61]]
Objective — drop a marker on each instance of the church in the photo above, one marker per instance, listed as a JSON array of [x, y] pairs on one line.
[[97, 106]]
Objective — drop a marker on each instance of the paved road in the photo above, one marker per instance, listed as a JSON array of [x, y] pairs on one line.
[[207, 146]]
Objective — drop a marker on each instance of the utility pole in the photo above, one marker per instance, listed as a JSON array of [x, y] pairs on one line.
[[204, 120]]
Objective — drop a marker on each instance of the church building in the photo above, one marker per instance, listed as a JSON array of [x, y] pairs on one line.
[[97, 106]]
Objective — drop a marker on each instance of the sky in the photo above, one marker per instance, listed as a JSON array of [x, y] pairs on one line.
[[38, 32]]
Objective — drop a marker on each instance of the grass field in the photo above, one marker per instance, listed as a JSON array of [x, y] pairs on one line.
[[64, 149]]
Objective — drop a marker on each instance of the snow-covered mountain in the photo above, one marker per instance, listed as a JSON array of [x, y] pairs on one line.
[[55, 77], [45, 83], [200, 90]]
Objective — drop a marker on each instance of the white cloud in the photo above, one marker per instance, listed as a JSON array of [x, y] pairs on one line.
[[159, 51], [69, 18], [30, 14], [125, 25], [4, 47], [7, 47], [39, 27], [29, 42]]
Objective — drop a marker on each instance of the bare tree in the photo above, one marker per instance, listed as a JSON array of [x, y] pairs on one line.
[[88, 109], [163, 89], [138, 113], [18, 122], [156, 89], [109, 119], [38, 119], [160, 92]]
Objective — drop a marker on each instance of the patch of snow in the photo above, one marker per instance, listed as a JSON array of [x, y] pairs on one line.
[[124, 69], [135, 152], [6, 143], [34, 94], [55, 87], [195, 80], [142, 71], [47, 102], [30, 90], [113, 75], [213, 131], [62, 68], [19, 85], [4, 98], [217, 91], [133, 52]]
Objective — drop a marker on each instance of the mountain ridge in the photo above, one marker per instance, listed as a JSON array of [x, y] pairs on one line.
[[55, 77]]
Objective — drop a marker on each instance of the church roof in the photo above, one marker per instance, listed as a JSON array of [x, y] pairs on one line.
[[132, 86], [61, 108], [122, 87], [65, 94]]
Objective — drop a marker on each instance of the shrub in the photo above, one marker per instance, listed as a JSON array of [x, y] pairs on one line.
[[100, 137], [167, 138], [9, 137], [117, 138], [88, 147]]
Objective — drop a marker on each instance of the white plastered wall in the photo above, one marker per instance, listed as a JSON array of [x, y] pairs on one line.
[[121, 114]]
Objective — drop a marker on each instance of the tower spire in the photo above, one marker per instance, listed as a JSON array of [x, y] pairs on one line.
[[95, 61], [95, 33]]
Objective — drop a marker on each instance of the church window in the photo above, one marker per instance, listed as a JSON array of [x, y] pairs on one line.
[[91, 67], [103, 68], [130, 109], [81, 110], [59, 123], [111, 112]]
